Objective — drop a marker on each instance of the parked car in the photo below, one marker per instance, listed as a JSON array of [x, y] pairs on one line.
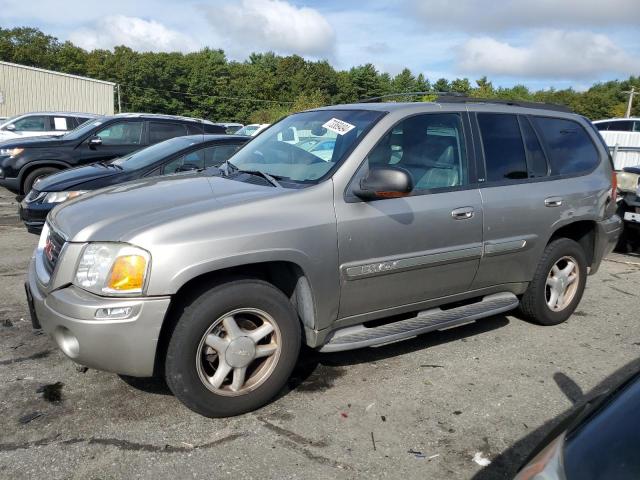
[[252, 129], [41, 123], [597, 440], [230, 127], [178, 154], [22, 162], [426, 216], [622, 135], [629, 208]]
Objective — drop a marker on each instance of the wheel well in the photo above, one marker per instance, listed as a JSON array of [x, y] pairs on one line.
[[583, 232], [286, 276], [30, 168]]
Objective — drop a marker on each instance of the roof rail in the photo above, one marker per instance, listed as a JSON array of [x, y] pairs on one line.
[[454, 97]]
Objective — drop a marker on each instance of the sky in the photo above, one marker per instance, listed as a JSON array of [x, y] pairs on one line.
[[538, 43]]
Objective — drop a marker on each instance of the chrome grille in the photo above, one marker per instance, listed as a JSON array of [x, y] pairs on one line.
[[51, 252]]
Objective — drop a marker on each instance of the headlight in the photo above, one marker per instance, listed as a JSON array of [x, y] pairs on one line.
[[59, 197], [12, 152], [113, 269]]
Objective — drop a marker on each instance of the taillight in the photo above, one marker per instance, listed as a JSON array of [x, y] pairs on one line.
[[614, 187]]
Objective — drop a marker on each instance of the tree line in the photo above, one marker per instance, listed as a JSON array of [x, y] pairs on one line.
[[267, 86]]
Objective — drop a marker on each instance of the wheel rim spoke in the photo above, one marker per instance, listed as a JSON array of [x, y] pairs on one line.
[[553, 300], [221, 374], [566, 271], [265, 350], [232, 328], [239, 375], [260, 332], [217, 343], [572, 278], [552, 282]]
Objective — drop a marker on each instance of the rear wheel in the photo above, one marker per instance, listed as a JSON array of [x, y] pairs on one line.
[[558, 284], [233, 348], [35, 175]]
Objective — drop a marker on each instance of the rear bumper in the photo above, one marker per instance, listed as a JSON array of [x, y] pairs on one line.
[[607, 233], [125, 346], [9, 183]]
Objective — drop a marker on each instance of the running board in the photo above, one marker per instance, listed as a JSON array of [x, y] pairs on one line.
[[359, 336]]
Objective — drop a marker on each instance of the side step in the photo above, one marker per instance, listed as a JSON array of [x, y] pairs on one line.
[[359, 336]]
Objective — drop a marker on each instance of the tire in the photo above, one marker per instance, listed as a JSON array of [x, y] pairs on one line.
[[191, 363], [34, 175], [534, 303]]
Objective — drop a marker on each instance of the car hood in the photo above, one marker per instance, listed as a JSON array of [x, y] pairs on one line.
[[121, 212], [73, 177], [36, 142]]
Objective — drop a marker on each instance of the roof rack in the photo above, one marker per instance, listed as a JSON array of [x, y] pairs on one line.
[[453, 97]]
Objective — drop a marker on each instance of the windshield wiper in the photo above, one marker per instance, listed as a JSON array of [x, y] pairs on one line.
[[259, 173]]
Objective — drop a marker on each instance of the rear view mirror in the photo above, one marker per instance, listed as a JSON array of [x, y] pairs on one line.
[[288, 135], [385, 182]]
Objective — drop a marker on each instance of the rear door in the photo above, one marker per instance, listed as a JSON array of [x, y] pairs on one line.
[[532, 183], [398, 252]]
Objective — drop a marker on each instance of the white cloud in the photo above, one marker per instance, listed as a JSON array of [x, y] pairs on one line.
[[480, 15], [259, 25], [137, 33], [551, 54]]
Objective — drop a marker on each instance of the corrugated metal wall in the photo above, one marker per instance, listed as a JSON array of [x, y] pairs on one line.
[[26, 89], [624, 147]]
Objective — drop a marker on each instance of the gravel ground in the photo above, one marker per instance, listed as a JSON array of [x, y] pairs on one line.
[[417, 409]]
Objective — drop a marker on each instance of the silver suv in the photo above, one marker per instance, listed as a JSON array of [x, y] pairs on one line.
[[421, 217]]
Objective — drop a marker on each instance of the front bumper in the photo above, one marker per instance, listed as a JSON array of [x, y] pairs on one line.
[[34, 214], [607, 233], [126, 346]]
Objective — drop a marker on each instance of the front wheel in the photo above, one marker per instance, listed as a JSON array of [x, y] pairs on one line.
[[233, 348], [558, 283]]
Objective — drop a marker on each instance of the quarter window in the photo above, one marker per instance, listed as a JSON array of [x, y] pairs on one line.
[[503, 148], [430, 147], [123, 133], [569, 147]]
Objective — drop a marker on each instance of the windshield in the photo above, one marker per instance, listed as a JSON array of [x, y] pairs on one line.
[[248, 130], [147, 156], [281, 150], [78, 132]]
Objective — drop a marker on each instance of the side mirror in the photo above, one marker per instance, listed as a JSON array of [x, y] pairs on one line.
[[95, 142], [187, 167], [11, 127], [385, 182]]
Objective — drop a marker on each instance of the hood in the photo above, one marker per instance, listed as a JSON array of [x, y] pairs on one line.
[[75, 177], [125, 210], [35, 142]]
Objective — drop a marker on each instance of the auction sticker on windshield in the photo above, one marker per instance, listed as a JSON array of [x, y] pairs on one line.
[[338, 126]]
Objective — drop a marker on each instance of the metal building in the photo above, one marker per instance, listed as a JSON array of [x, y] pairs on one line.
[[27, 89]]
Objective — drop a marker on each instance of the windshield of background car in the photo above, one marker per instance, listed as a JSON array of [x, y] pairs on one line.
[[147, 156], [282, 149], [78, 132]]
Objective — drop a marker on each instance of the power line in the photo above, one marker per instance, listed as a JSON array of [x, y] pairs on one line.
[[187, 94]]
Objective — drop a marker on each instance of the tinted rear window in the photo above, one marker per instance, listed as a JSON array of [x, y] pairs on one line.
[[503, 148], [568, 145], [163, 131]]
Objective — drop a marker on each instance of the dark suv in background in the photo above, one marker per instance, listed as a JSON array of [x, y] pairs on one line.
[[24, 161]]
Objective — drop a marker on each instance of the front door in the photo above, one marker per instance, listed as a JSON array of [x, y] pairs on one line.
[[401, 251], [117, 139]]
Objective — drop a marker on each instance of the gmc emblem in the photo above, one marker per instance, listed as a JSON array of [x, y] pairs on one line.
[[48, 249]]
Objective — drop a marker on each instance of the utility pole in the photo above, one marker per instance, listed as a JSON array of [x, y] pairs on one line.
[[631, 93], [119, 102]]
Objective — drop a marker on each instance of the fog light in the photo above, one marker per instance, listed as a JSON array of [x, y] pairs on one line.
[[67, 341], [114, 313]]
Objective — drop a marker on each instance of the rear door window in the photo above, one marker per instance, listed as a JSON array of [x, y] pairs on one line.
[[536, 159], [159, 131], [504, 152], [570, 149], [621, 126]]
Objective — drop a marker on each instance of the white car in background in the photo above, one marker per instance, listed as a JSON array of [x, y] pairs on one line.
[[622, 136], [252, 129], [41, 123]]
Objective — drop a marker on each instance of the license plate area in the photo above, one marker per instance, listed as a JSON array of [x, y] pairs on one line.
[[632, 217]]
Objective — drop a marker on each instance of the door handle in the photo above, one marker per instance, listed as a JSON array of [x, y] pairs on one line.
[[553, 202], [463, 213]]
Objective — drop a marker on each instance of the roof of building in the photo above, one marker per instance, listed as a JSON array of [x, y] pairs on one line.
[[53, 72]]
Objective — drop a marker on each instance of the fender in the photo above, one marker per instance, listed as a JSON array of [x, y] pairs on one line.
[[27, 167]]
